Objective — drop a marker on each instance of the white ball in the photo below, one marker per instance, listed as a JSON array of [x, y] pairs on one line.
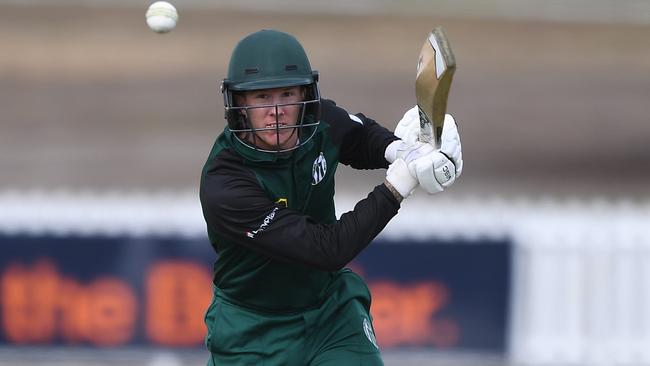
[[161, 17]]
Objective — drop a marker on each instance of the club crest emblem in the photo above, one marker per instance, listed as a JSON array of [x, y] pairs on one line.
[[367, 328], [318, 170]]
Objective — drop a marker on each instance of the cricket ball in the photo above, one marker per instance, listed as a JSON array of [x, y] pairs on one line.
[[161, 17]]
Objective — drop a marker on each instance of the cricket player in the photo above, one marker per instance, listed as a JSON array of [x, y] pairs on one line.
[[281, 293]]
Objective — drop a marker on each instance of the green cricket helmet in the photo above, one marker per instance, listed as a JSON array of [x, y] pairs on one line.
[[270, 59]]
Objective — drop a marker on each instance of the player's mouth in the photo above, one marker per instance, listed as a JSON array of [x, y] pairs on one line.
[[278, 128], [275, 125]]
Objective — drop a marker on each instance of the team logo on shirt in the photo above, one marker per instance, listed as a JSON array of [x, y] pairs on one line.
[[367, 328], [318, 170]]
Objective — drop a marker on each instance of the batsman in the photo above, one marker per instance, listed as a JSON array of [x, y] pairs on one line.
[[282, 294]]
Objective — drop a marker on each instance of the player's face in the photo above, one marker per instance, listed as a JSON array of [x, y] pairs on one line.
[[271, 114]]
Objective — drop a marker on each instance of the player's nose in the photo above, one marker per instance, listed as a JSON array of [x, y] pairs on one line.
[[276, 110]]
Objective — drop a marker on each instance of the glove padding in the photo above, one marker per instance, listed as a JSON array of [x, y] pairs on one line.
[[450, 143], [408, 128], [434, 167], [434, 172], [400, 177], [399, 149]]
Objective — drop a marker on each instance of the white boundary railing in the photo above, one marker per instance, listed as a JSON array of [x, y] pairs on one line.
[[581, 285], [580, 279]]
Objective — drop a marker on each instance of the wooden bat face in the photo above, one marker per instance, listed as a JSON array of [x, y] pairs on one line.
[[435, 70]]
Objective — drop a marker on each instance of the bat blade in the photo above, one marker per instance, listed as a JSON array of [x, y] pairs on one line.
[[435, 70]]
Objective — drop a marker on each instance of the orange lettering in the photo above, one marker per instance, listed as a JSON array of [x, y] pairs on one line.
[[112, 309], [29, 311], [404, 314], [178, 294], [75, 317], [40, 305]]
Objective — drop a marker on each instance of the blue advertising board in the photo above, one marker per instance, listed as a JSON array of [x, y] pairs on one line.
[[109, 291]]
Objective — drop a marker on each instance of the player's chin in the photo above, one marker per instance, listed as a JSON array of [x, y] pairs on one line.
[[283, 140]]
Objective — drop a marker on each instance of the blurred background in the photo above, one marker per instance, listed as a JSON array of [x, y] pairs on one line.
[[105, 125]]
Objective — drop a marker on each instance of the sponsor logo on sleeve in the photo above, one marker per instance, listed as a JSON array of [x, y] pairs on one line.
[[264, 225]]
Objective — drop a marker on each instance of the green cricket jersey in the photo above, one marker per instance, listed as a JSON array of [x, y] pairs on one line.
[[271, 217]]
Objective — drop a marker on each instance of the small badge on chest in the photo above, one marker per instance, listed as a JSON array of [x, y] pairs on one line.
[[318, 170]]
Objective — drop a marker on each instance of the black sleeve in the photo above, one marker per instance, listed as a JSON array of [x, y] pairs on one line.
[[362, 141], [237, 208]]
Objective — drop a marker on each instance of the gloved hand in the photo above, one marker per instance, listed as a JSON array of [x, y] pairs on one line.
[[399, 176], [450, 143], [408, 128], [408, 152], [440, 169], [432, 168], [434, 172]]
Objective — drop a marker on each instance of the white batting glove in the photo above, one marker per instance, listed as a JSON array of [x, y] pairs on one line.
[[434, 172], [408, 128], [399, 176], [440, 169], [399, 149], [450, 144]]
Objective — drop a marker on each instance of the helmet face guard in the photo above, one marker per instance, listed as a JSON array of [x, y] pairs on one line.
[[244, 131], [263, 60]]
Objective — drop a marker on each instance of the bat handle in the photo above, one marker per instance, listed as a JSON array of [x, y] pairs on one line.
[[437, 137]]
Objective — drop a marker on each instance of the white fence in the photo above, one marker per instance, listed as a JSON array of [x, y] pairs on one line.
[[581, 279], [582, 285]]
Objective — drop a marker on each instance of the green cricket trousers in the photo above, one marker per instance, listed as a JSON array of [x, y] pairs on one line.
[[338, 332]]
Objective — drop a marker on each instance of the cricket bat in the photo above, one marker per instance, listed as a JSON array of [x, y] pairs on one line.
[[436, 66]]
